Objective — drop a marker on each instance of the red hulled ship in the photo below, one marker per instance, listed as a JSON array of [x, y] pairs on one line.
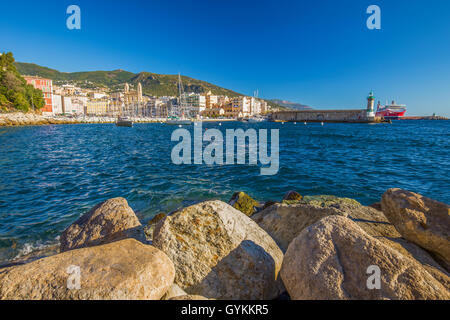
[[391, 111]]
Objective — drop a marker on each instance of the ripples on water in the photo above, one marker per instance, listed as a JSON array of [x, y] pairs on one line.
[[50, 175]]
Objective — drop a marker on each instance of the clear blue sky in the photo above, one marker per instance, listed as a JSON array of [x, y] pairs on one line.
[[318, 52]]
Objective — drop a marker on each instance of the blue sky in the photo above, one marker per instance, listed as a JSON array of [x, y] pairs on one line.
[[318, 52]]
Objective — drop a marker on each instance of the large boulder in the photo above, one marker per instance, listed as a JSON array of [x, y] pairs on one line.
[[108, 221], [220, 253], [125, 269], [244, 203], [421, 220], [284, 221], [331, 258]]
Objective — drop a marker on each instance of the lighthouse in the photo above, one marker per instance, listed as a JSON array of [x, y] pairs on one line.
[[370, 105]]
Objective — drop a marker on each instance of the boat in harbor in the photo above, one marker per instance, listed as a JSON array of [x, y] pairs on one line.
[[124, 122], [256, 119], [391, 111], [175, 118]]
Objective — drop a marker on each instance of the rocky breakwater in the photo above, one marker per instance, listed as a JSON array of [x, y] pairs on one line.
[[333, 245], [33, 119], [420, 220], [220, 253], [98, 260], [313, 247]]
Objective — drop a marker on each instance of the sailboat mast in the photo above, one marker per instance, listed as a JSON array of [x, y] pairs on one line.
[[180, 92]]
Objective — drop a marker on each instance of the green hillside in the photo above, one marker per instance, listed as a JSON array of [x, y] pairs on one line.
[[15, 93], [152, 83]]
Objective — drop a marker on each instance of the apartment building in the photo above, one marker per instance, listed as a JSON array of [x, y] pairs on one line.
[[97, 107], [46, 86], [194, 103]]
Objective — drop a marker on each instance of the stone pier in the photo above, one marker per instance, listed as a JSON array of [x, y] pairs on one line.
[[355, 116]]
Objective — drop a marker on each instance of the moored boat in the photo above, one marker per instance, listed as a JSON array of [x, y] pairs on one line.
[[176, 120], [124, 122], [256, 119]]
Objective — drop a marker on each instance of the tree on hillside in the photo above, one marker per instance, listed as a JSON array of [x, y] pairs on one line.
[[15, 93]]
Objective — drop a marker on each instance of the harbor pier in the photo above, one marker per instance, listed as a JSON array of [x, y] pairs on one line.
[[353, 116], [350, 115]]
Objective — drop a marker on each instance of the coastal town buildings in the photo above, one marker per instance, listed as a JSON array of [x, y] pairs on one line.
[[193, 104], [211, 100], [242, 105], [46, 86], [158, 107], [87, 99], [97, 107], [132, 96]]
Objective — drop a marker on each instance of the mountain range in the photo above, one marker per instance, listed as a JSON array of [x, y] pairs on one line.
[[291, 105]]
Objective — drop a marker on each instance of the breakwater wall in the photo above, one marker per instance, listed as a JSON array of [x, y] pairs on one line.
[[355, 116], [32, 119]]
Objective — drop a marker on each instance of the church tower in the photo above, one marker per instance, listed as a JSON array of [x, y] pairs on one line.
[[139, 92], [127, 87]]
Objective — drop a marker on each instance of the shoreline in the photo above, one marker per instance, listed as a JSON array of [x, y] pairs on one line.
[[16, 119], [31, 119]]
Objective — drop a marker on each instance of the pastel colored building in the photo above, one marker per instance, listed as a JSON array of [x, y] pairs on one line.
[[46, 86], [98, 107], [69, 105]]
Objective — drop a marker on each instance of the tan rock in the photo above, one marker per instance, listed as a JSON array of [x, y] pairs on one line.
[[174, 291], [376, 205], [108, 221], [421, 220], [125, 269], [284, 221], [220, 253], [330, 259]]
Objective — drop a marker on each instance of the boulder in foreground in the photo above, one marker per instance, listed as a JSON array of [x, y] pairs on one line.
[[125, 269], [220, 253], [284, 221], [108, 221], [331, 258], [421, 220]]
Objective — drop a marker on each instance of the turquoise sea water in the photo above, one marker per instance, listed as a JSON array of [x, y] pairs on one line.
[[50, 175]]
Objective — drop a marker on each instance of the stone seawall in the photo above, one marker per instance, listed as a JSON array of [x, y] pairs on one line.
[[32, 119], [356, 116]]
